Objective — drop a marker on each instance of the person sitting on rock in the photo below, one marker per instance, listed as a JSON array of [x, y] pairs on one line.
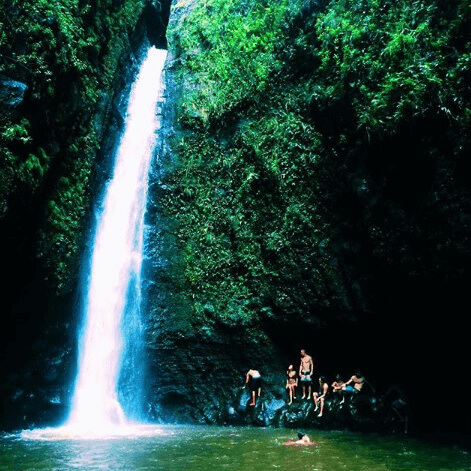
[[320, 396], [338, 388], [338, 385], [306, 369], [254, 381], [356, 383], [291, 383]]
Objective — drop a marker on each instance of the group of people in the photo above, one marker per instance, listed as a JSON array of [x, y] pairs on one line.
[[303, 378], [394, 399], [306, 369]]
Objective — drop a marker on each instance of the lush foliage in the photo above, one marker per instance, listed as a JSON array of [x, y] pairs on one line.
[[285, 110], [67, 53]]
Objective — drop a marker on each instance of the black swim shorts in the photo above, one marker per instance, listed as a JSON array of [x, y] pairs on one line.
[[255, 383]]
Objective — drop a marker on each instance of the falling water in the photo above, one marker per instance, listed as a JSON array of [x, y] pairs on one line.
[[117, 258], [114, 280]]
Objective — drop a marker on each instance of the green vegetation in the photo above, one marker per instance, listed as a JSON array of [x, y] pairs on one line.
[[286, 117], [67, 52]]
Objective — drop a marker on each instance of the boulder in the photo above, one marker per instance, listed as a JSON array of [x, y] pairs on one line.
[[12, 94]]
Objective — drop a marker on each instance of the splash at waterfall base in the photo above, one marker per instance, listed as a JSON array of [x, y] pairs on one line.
[[73, 432]]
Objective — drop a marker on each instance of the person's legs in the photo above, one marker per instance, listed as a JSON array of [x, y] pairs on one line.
[[290, 392], [253, 398], [315, 398], [304, 390], [346, 391], [322, 407]]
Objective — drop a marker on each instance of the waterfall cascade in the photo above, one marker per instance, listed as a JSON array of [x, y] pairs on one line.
[[114, 281]]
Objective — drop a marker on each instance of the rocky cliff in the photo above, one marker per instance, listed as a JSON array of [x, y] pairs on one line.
[[314, 195]]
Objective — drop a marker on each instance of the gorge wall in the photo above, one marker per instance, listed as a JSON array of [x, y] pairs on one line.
[[315, 193], [311, 191]]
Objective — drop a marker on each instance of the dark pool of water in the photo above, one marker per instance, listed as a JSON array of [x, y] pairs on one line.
[[232, 448]]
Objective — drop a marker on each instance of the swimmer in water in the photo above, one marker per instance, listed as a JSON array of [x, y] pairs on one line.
[[303, 440]]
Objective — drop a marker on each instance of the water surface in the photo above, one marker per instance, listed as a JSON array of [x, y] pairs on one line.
[[231, 448]]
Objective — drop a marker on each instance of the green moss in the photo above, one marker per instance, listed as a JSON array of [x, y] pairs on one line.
[[281, 101], [67, 52], [229, 49]]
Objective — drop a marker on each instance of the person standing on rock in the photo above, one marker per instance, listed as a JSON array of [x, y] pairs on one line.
[[253, 379], [291, 383], [306, 368]]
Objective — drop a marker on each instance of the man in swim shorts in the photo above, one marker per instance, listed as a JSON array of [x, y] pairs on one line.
[[355, 384], [254, 380], [306, 368]]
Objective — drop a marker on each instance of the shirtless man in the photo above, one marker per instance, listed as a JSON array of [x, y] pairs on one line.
[[306, 369], [320, 396], [254, 381], [357, 381], [338, 385]]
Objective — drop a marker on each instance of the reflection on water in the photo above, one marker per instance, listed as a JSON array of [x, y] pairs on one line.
[[230, 448]]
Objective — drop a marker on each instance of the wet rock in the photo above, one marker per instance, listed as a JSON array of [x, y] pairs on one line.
[[273, 409], [363, 413], [12, 94], [243, 400], [156, 19]]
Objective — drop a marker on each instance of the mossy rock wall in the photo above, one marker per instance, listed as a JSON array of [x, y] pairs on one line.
[[317, 196]]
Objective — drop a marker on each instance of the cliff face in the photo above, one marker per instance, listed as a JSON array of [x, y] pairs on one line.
[[65, 70], [316, 197]]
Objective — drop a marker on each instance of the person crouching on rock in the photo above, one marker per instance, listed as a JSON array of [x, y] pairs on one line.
[[254, 380], [291, 383], [320, 396]]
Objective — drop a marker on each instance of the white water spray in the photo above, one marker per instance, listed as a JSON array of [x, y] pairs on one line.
[[116, 265]]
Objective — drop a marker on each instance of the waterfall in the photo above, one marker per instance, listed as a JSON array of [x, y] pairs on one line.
[[113, 291]]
